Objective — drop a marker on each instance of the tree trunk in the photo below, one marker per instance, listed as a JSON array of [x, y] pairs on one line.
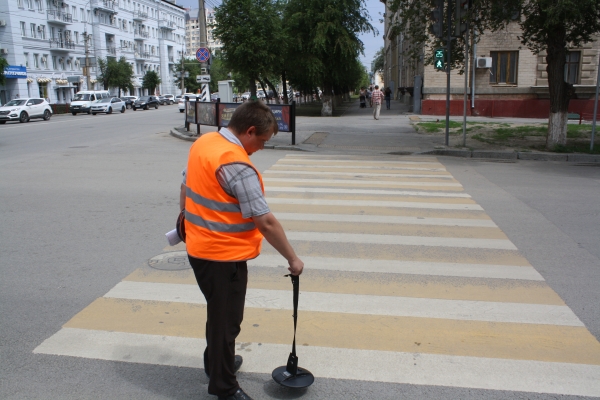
[[328, 99], [560, 91], [286, 100], [275, 94]]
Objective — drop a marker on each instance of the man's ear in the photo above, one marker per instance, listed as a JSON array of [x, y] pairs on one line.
[[250, 131]]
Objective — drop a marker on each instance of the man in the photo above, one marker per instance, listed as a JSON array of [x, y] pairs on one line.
[[377, 97], [226, 218], [388, 97]]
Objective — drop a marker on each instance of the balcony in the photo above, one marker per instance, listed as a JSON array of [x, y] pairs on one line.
[[59, 17], [141, 56], [171, 60], [61, 45], [108, 6], [139, 16], [126, 49], [166, 24], [111, 50], [140, 35]]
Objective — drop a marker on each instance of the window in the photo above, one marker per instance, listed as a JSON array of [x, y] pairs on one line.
[[36, 61], [504, 67], [30, 4], [572, 67], [38, 3], [74, 12], [54, 62], [76, 37], [45, 61], [23, 32], [26, 59], [32, 30], [20, 3], [42, 30]]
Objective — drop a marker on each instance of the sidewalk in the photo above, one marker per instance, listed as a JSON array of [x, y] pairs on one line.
[[357, 132]]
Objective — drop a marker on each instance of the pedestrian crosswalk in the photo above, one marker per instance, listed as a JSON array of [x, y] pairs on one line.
[[407, 280]]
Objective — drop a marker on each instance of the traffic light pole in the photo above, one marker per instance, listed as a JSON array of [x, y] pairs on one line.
[[448, 68]]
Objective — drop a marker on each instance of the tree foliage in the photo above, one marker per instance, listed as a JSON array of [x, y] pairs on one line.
[[151, 81], [113, 73], [551, 26], [3, 64], [378, 61]]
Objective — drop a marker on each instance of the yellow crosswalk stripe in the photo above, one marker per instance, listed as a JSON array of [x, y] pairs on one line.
[[407, 270]]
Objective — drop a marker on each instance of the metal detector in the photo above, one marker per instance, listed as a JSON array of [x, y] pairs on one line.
[[291, 375]]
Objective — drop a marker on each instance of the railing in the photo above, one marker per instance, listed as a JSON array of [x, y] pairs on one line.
[[59, 16], [141, 34], [139, 15], [171, 59], [111, 50], [142, 55], [126, 49], [164, 23], [105, 4], [61, 44]]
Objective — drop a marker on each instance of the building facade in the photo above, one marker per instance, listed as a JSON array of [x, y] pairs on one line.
[[192, 32], [49, 39], [505, 79]]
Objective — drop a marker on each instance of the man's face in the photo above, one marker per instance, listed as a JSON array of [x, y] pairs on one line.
[[252, 142]]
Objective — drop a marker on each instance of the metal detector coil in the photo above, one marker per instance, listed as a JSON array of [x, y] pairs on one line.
[[291, 375]]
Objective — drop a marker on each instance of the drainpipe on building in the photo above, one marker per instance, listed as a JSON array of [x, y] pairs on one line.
[[474, 64]]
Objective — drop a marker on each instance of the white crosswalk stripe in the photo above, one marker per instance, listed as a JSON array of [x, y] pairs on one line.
[[402, 269]]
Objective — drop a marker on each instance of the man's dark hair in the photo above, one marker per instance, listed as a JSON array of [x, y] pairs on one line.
[[253, 113]]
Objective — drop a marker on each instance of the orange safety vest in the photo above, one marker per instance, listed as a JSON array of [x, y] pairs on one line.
[[214, 227]]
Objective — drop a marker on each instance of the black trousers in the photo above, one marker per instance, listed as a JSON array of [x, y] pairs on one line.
[[223, 285]]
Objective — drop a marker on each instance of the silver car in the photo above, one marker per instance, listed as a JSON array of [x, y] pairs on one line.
[[108, 105]]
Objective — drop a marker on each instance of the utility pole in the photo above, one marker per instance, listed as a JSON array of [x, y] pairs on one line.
[[182, 71], [203, 43], [448, 69], [87, 60]]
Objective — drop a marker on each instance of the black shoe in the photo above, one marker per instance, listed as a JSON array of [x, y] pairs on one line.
[[239, 395], [237, 363]]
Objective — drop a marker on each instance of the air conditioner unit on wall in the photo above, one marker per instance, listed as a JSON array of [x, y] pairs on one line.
[[484, 62], [2, 22], [3, 51]]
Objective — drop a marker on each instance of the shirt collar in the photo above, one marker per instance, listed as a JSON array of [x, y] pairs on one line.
[[227, 134]]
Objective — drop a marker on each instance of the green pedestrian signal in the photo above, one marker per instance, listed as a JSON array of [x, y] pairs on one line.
[[439, 59]]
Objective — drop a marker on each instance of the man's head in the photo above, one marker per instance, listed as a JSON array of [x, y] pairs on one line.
[[376, 86], [253, 123]]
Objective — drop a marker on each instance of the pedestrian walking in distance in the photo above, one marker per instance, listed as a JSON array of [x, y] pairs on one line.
[[388, 97], [226, 218], [377, 97]]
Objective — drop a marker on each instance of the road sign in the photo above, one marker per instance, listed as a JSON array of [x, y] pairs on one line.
[[203, 54], [202, 78], [439, 59]]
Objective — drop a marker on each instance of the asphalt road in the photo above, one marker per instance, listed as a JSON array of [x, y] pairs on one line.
[[86, 200]]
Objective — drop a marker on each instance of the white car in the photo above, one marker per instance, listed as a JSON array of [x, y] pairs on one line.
[[170, 98], [108, 105], [181, 102], [23, 110]]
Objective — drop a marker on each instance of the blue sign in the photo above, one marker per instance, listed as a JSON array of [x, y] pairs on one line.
[[15, 71], [202, 54]]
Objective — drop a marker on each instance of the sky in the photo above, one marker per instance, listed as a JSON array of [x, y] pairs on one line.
[[371, 42]]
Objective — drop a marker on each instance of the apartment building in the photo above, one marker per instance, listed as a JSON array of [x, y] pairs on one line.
[[505, 78], [192, 32], [46, 41]]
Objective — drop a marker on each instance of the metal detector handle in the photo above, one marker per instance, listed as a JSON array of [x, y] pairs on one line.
[[292, 364]]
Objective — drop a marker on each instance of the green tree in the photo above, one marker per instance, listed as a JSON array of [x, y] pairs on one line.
[[124, 76], [551, 26], [248, 30], [378, 62], [325, 43], [193, 68], [109, 71], [151, 81], [3, 64]]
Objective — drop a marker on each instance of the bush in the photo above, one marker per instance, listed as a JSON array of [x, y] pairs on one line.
[[60, 108]]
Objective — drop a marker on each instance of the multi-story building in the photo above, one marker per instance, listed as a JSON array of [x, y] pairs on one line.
[[505, 78], [192, 32], [49, 38]]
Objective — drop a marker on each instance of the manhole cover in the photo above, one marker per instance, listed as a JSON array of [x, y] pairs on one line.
[[316, 138], [172, 261]]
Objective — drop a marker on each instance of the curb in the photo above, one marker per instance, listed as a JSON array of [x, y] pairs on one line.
[[516, 155], [175, 133]]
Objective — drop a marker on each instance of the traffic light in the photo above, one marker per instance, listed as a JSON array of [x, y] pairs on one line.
[[437, 19], [461, 9], [439, 59]]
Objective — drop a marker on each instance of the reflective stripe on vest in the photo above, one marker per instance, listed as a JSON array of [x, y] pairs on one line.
[[215, 227]]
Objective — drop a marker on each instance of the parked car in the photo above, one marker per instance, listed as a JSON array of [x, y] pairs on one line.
[[260, 94], [181, 102], [214, 97], [129, 100], [170, 98], [23, 110], [108, 105], [162, 100], [245, 96], [83, 100], [145, 102]]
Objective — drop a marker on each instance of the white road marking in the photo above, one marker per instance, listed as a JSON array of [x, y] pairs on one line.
[[466, 310], [382, 168], [375, 203], [364, 191], [355, 174], [337, 363], [363, 181], [354, 162], [387, 219], [404, 267]]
